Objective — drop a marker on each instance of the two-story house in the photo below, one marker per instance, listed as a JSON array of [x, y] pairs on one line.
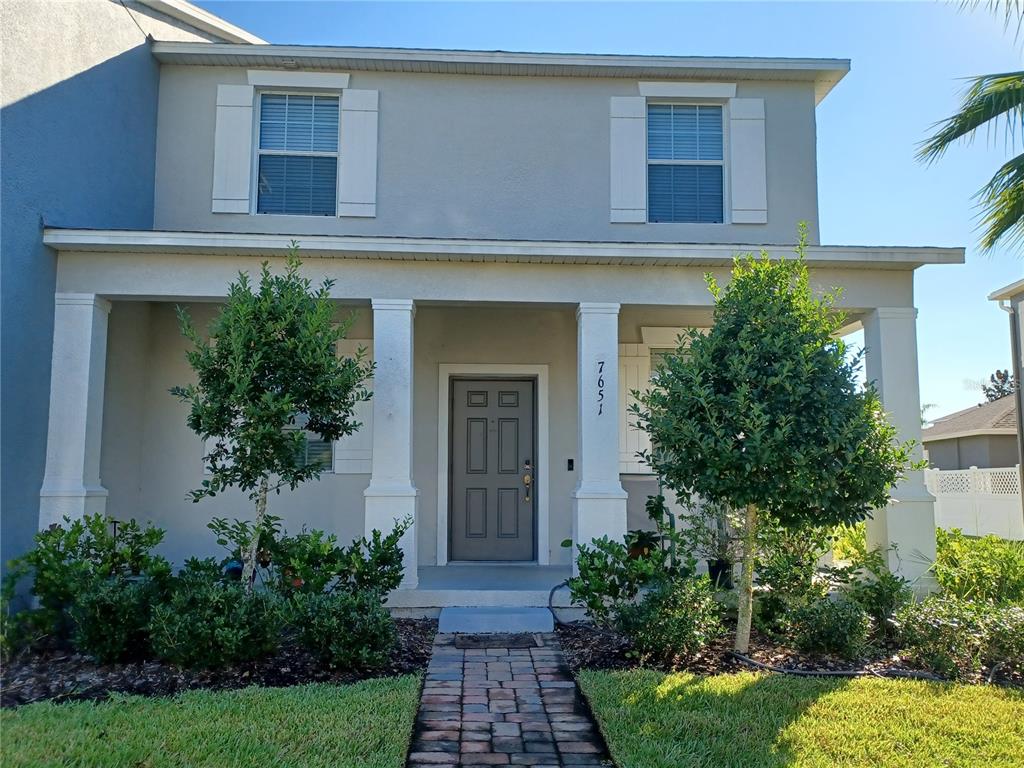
[[521, 236]]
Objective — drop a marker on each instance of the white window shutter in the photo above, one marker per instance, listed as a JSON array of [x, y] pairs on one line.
[[232, 149], [634, 375], [748, 175], [629, 159], [357, 192], [353, 453]]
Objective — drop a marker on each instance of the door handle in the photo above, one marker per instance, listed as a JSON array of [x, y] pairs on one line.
[[528, 480]]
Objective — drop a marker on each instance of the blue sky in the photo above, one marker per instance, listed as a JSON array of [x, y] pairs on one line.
[[907, 63]]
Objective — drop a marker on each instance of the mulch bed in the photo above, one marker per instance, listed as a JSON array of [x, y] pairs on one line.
[[589, 647], [57, 676]]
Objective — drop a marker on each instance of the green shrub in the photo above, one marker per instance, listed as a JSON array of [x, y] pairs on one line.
[[346, 629], [95, 546], [831, 626], [957, 637], [675, 621], [787, 570], [211, 623], [311, 562], [68, 557], [988, 568], [110, 618], [609, 579], [868, 582], [849, 542], [373, 565]]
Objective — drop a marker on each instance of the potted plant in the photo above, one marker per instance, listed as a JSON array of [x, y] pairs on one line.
[[641, 543]]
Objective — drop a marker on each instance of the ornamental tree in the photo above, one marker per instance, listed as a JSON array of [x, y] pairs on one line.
[[269, 366], [763, 412]]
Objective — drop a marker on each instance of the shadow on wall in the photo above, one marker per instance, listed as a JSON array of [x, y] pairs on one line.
[[80, 153]]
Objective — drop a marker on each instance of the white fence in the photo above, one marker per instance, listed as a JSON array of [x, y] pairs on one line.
[[978, 501]]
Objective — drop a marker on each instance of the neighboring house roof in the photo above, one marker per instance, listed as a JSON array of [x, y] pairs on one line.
[[1007, 292], [469, 249], [824, 73], [202, 19], [998, 417]]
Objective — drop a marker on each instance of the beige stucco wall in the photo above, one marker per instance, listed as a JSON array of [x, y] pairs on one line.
[[150, 459], [485, 157]]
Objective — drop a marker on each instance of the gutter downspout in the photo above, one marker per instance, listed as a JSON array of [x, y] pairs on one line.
[[1018, 375]]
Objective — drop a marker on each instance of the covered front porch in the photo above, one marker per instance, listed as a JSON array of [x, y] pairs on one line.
[[498, 422]]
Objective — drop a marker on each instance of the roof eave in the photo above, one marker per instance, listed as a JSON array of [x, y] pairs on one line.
[[421, 248], [1007, 292], [825, 73], [202, 19], [986, 432]]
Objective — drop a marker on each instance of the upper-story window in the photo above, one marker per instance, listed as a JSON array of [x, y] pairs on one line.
[[297, 154], [685, 163]]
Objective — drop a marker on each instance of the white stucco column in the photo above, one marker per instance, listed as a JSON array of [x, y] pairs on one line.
[[599, 501], [71, 483], [890, 340], [391, 495]]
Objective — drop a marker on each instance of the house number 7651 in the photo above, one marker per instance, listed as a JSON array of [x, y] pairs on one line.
[[600, 387]]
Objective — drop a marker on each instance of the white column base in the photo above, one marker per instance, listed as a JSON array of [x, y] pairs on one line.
[[908, 522], [597, 514], [386, 507], [74, 503]]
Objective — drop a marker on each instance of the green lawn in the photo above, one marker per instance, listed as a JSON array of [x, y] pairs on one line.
[[366, 725], [654, 720]]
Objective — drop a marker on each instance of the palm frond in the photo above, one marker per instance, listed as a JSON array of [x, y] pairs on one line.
[[1002, 205], [986, 100], [1012, 11]]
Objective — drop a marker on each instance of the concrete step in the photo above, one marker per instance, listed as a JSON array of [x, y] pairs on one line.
[[476, 621]]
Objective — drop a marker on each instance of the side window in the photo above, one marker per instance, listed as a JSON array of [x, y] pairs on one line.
[[685, 165], [297, 162], [315, 450]]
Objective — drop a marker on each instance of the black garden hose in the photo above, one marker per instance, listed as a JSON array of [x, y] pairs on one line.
[[551, 601], [907, 673]]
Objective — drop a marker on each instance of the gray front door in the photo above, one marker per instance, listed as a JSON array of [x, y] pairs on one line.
[[492, 438]]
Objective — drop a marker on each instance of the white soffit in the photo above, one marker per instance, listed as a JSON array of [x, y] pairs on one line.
[[454, 249]]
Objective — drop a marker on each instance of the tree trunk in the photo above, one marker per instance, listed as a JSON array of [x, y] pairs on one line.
[[746, 603], [249, 558]]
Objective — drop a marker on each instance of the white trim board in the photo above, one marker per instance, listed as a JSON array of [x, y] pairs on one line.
[[688, 90], [543, 465], [139, 242], [276, 78]]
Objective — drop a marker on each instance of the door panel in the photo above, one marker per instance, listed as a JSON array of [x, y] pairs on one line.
[[492, 448]]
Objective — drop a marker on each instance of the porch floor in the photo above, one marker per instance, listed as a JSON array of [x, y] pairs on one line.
[[491, 585]]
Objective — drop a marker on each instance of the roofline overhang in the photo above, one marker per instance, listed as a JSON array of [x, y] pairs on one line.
[[1007, 292], [825, 73], [987, 432], [457, 249], [203, 20]]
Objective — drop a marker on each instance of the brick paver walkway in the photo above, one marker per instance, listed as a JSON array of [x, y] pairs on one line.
[[503, 706]]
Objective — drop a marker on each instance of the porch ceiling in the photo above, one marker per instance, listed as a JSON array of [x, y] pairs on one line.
[[480, 250]]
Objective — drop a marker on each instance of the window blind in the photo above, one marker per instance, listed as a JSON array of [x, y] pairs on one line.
[[298, 154], [684, 153]]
